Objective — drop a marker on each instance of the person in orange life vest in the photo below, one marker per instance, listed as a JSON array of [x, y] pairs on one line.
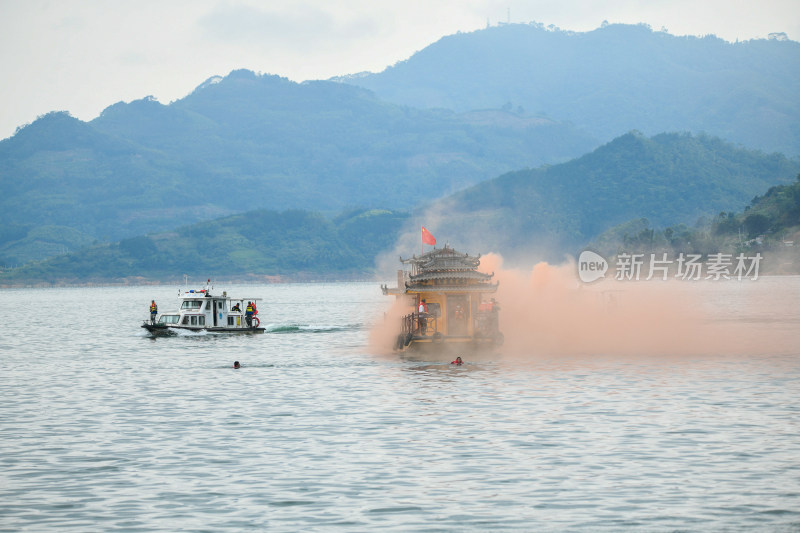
[[153, 311], [423, 320], [248, 313], [458, 361]]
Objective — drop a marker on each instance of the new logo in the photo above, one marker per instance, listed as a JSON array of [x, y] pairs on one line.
[[591, 266]]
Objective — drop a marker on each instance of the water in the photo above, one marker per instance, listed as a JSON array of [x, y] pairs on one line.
[[103, 428]]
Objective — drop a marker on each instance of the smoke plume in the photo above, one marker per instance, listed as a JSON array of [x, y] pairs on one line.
[[547, 311]]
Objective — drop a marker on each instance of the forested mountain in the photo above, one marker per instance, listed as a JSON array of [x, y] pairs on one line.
[[770, 226], [669, 179], [611, 80], [292, 244], [467, 108], [247, 142]]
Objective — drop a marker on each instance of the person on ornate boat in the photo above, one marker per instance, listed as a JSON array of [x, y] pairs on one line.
[[423, 317]]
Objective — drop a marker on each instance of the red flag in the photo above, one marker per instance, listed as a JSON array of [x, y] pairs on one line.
[[427, 238]]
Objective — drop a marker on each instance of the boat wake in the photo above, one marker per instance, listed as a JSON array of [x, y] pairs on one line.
[[189, 332], [308, 328]]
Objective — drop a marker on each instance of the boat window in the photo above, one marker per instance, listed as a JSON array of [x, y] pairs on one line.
[[186, 320], [221, 305], [201, 320], [192, 304], [230, 320], [169, 319], [194, 320]]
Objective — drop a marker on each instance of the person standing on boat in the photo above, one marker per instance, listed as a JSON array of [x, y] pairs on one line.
[[153, 311], [248, 314], [423, 317]]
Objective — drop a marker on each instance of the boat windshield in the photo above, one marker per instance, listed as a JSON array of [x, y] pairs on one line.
[[169, 319], [192, 304]]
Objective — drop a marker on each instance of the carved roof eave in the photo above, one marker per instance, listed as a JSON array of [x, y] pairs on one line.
[[394, 291], [428, 259], [489, 287], [453, 263], [458, 274]]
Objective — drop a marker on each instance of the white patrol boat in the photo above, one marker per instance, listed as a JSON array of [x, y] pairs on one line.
[[200, 310]]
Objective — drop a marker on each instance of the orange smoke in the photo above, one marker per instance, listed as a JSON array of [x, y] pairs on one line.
[[548, 311], [383, 334]]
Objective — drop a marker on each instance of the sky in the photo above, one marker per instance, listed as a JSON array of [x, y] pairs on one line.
[[83, 55]]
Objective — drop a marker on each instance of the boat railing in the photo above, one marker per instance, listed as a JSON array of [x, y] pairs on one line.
[[408, 324], [412, 323]]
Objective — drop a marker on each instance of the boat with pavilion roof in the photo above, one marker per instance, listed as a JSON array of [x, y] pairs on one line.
[[453, 304]]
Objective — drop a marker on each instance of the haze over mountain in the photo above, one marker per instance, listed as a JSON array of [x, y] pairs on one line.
[[247, 142], [293, 244], [669, 179], [611, 80]]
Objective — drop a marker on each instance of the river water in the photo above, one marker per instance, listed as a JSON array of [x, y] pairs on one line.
[[103, 428]]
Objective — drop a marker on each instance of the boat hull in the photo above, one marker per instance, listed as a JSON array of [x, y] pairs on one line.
[[162, 329], [426, 344]]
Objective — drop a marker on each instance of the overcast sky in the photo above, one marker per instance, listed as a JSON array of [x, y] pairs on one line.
[[84, 55]]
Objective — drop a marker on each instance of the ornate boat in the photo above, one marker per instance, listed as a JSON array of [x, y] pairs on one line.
[[200, 310], [462, 315]]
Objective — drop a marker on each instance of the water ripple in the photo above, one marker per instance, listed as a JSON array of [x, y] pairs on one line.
[[105, 429]]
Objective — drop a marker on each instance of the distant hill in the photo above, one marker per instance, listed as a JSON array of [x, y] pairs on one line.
[[770, 225], [609, 81], [669, 179], [249, 141], [292, 245]]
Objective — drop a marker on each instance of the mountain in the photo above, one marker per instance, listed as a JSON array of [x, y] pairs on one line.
[[293, 244], [668, 178], [609, 81], [769, 226], [261, 141], [493, 101], [671, 179], [246, 142]]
